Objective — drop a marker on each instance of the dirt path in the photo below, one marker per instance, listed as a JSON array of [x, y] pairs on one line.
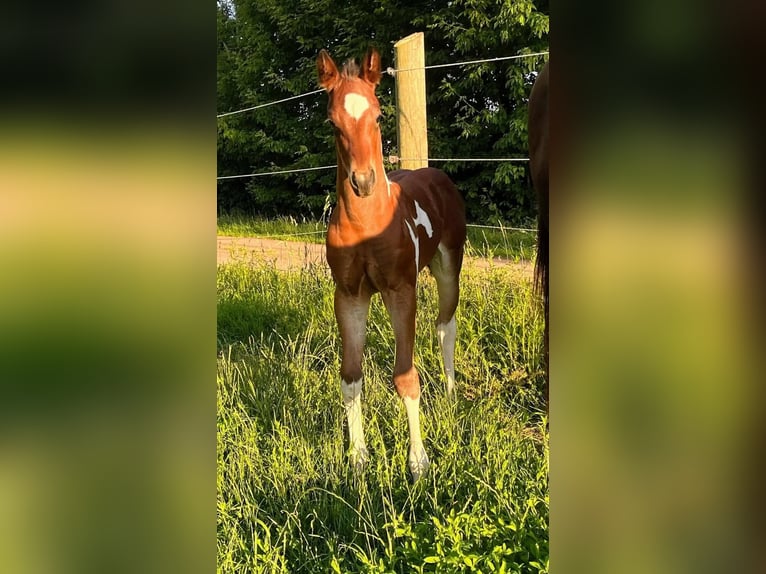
[[283, 254], [294, 255]]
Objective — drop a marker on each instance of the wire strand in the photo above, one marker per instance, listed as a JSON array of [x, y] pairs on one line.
[[281, 235], [395, 159], [390, 159], [393, 71], [275, 172], [500, 227], [269, 103], [390, 72]]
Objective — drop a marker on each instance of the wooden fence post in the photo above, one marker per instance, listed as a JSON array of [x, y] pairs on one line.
[[411, 127]]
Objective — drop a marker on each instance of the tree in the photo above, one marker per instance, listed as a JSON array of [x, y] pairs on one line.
[[266, 52]]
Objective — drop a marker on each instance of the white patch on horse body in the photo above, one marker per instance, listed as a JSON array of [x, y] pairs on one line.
[[447, 333], [416, 243], [355, 105], [418, 459], [421, 218], [352, 401]]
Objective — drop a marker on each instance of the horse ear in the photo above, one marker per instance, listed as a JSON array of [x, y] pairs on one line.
[[371, 67], [327, 71]]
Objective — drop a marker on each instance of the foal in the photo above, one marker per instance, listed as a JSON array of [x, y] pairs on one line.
[[381, 234]]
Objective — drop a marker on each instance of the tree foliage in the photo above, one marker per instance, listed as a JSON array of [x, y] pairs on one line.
[[267, 51]]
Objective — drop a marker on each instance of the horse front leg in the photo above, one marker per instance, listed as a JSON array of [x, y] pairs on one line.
[[401, 306], [351, 314]]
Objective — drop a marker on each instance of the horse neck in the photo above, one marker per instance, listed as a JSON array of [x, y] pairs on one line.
[[368, 214]]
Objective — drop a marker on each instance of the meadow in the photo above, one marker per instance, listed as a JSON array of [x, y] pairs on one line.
[[287, 499]]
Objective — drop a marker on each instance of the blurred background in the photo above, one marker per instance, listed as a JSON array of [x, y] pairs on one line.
[[656, 290], [107, 289]]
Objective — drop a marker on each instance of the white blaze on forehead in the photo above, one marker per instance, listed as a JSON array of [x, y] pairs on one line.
[[355, 105]]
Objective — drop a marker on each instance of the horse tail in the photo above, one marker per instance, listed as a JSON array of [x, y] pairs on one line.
[[541, 279], [541, 262]]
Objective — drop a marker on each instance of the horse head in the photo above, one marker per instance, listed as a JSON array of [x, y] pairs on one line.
[[354, 112]]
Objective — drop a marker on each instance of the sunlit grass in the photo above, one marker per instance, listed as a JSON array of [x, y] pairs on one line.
[[285, 228], [287, 499]]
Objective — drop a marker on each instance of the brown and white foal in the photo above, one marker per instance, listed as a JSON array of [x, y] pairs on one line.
[[382, 232]]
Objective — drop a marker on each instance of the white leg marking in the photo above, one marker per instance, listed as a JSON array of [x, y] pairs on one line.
[[418, 459], [421, 218], [355, 105], [416, 243], [352, 401], [447, 333]]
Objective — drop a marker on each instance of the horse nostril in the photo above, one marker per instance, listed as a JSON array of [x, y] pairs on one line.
[[354, 184], [372, 177]]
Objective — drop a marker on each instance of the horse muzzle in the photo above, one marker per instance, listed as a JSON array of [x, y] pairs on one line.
[[363, 183]]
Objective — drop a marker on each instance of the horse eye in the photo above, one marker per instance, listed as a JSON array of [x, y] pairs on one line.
[[379, 118]]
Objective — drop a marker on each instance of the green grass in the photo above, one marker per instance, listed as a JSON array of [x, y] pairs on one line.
[[287, 228], [501, 242], [287, 499]]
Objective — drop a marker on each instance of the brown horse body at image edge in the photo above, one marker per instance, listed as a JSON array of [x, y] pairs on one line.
[[538, 127], [382, 232]]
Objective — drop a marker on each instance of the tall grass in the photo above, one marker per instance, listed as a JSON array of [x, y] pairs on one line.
[[286, 228], [501, 241], [287, 498]]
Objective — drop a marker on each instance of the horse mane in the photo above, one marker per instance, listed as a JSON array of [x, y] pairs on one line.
[[350, 69]]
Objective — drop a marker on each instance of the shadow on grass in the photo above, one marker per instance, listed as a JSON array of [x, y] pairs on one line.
[[265, 303], [240, 320]]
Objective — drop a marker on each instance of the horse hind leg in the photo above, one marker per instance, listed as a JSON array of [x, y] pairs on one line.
[[445, 267]]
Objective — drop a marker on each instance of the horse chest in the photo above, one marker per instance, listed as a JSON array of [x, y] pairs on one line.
[[387, 268], [374, 265], [387, 260]]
